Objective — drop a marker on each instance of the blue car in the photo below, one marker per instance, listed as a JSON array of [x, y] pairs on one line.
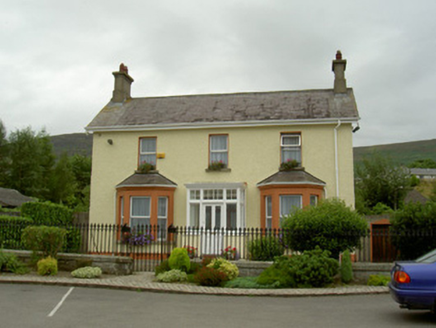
[[413, 284]]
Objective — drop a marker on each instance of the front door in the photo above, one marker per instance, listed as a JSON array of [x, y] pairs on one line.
[[213, 237]]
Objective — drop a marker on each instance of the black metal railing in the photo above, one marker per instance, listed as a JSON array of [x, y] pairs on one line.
[[149, 245]]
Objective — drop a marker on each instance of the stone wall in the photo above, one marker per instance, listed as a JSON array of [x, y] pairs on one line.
[[117, 265]]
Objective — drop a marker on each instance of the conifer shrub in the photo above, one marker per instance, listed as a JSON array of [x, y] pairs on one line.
[[47, 266], [346, 270], [179, 259], [265, 248], [313, 268]]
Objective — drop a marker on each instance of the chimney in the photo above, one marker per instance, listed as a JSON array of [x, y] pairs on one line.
[[123, 81], [338, 67]]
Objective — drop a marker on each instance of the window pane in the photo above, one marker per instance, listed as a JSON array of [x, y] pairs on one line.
[[162, 207], [162, 228], [289, 203], [218, 157], [148, 145], [194, 220], [291, 140], [218, 217], [268, 206], [139, 225], [231, 216], [195, 194], [313, 200], [218, 143], [291, 154], [140, 206], [231, 194]]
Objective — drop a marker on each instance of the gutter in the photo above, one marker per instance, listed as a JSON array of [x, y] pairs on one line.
[[208, 125]]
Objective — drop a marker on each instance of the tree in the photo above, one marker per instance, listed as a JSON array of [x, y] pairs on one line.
[[413, 229], [3, 154], [62, 183], [379, 180], [29, 163], [423, 164], [331, 225]]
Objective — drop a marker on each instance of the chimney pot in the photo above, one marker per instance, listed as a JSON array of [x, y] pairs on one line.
[[123, 81], [338, 67]]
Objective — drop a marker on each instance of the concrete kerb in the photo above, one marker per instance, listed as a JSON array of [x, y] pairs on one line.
[[144, 282]]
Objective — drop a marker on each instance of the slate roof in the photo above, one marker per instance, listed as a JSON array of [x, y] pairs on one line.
[[13, 198], [296, 176], [249, 107], [414, 196], [146, 180]]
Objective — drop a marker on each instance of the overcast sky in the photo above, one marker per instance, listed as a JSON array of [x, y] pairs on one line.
[[57, 57]]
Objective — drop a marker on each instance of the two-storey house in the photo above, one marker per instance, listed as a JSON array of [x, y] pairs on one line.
[[221, 160]]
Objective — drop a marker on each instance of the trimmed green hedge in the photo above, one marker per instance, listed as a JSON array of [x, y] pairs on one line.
[[47, 213]]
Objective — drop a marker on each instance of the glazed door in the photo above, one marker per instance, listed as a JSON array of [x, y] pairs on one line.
[[212, 238]]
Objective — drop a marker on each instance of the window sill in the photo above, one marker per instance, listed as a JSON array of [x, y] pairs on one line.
[[219, 170]]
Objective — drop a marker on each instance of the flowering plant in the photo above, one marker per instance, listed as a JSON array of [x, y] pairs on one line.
[[217, 165], [230, 253], [289, 165], [192, 251], [146, 167], [140, 239]]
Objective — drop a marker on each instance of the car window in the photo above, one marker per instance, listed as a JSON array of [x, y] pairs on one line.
[[427, 258]]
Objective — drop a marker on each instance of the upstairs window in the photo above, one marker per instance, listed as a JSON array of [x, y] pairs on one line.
[[218, 152], [291, 148], [147, 150]]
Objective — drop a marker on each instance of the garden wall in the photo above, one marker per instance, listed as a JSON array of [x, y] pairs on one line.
[[117, 265]]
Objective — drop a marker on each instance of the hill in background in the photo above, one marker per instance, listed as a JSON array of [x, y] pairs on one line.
[[401, 153], [75, 143]]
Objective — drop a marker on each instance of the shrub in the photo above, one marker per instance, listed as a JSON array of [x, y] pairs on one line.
[[172, 276], [378, 280], [247, 282], [265, 248], [229, 269], [278, 275], [162, 267], [87, 272], [179, 259], [346, 269], [73, 241], [10, 263], [331, 225], [11, 228], [207, 276], [194, 267], [413, 229], [47, 266], [47, 240], [47, 213], [313, 268]]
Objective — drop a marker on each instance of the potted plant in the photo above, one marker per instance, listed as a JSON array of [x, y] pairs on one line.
[[217, 165], [289, 165], [146, 167]]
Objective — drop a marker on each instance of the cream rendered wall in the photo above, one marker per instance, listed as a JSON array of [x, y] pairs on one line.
[[254, 154]]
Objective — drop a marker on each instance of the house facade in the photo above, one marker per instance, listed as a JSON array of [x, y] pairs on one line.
[[221, 160]]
